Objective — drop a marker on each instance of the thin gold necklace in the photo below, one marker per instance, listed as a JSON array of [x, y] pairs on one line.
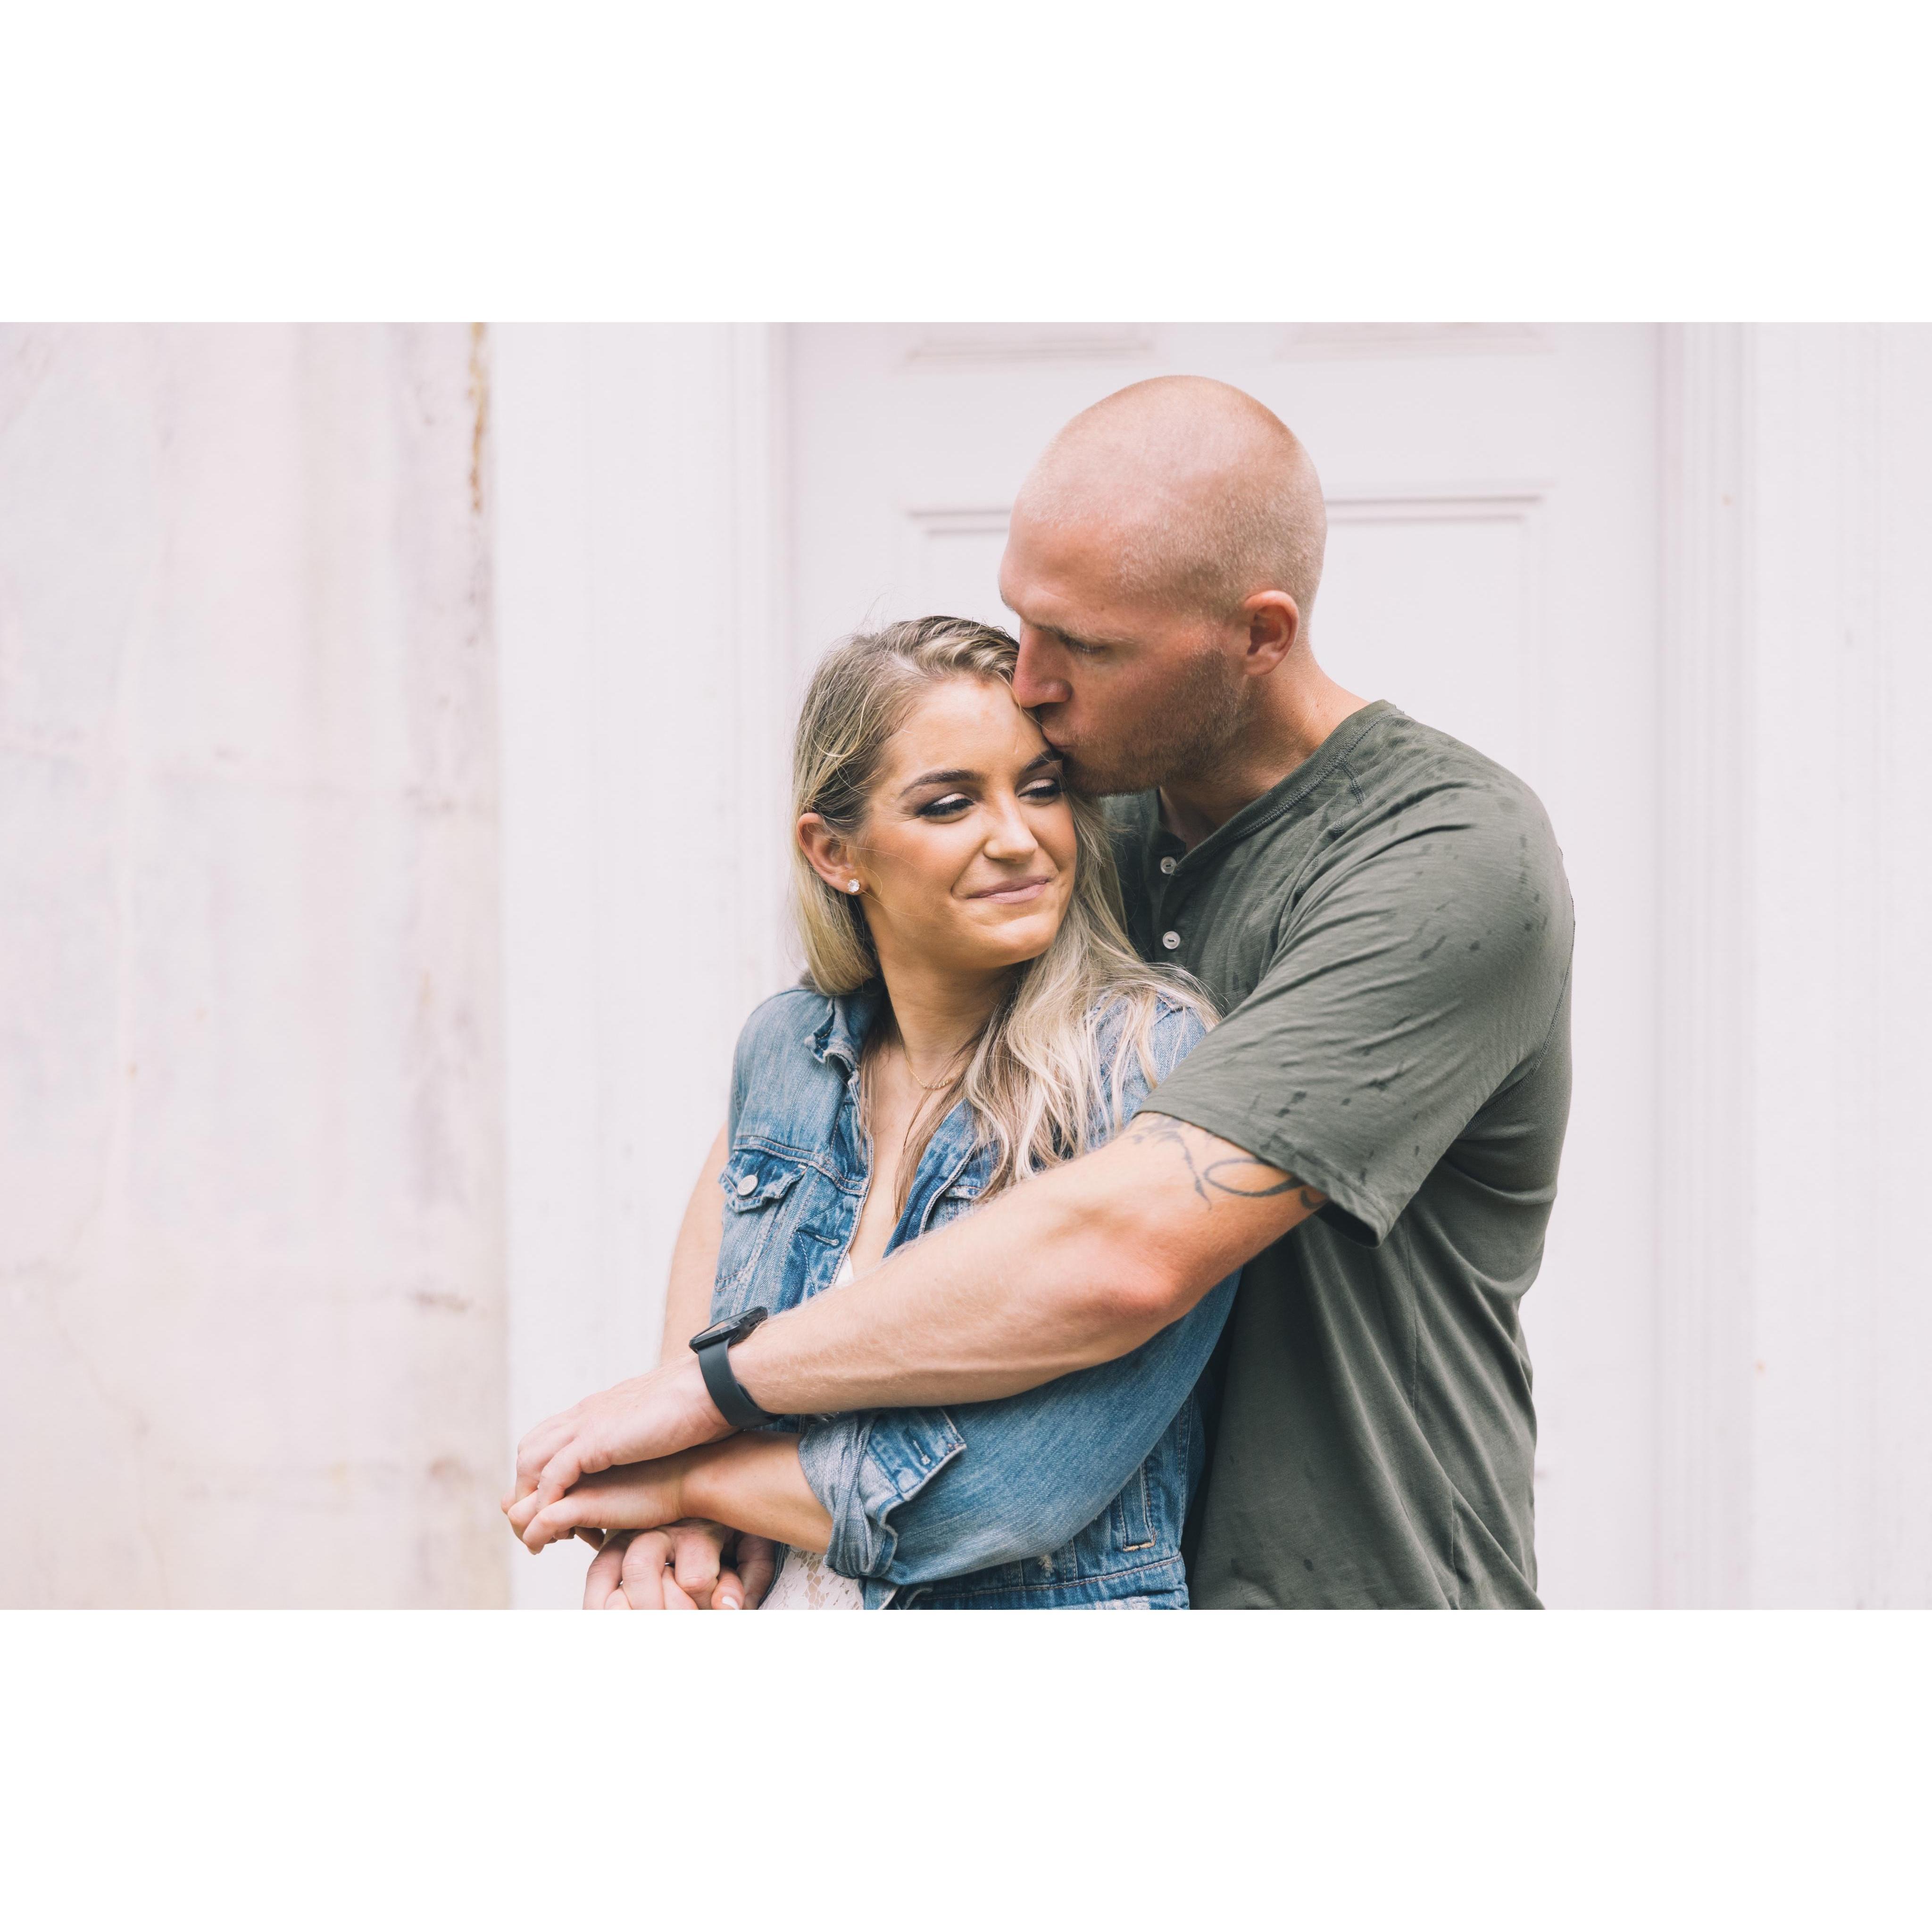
[[937, 1084]]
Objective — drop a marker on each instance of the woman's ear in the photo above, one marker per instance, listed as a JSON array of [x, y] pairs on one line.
[[830, 856]]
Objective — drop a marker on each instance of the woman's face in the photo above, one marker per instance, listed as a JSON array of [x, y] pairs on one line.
[[966, 859]]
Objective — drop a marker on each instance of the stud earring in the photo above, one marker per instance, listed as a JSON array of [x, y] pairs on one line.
[[853, 887]]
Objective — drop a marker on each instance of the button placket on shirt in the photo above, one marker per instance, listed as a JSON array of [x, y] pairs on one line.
[[1170, 936]]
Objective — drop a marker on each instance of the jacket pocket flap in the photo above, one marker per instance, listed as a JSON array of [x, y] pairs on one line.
[[754, 1179]]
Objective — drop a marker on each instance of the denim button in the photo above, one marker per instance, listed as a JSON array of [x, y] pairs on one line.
[[1167, 864], [747, 1184], [1170, 940]]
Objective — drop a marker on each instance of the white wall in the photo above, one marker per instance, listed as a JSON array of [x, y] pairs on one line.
[[250, 1254], [646, 690], [1796, 865]]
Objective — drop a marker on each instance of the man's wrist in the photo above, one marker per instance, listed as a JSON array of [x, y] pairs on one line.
[[702, 1421], [751, 1369]]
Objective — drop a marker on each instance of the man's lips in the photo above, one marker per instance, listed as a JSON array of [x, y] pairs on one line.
[[1016, 891]]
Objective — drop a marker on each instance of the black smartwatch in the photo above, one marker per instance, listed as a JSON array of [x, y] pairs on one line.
[[712, 1348]]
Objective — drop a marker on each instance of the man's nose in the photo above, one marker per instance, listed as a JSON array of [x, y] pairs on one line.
[[1035, 683]]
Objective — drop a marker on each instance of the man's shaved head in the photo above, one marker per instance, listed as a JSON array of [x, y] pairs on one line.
[[1206, 496]]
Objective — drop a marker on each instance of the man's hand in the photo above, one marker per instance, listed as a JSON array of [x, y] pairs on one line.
[[685, 1566], [648, 1417]]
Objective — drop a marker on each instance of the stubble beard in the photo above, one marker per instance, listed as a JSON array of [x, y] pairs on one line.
[[1189, 731]]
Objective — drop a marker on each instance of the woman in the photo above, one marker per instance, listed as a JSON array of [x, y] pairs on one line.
[[973, 1014]]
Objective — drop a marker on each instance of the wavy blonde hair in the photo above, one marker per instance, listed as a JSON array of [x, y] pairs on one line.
[[1035, 1080]]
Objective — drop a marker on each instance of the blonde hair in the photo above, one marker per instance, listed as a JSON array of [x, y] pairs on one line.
[[1035, 1080]]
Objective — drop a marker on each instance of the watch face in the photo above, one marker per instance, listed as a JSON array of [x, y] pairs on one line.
[[733, 1329]]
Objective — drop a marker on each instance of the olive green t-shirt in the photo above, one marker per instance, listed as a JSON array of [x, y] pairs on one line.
[[1388, 932]]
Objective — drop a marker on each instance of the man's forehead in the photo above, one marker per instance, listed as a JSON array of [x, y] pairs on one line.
[[1054, 575]]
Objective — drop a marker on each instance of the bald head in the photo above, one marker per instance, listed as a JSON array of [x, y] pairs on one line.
[[1206, 496]]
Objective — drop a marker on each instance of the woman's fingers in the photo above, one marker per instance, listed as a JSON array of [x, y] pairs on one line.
[[604, 1578], [564, 1517], [697, 1550], [758, 1561], [644, 1571], [521, 1512]]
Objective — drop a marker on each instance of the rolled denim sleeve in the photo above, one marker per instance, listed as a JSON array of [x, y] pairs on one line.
[[863, 1468], [915, 1495]]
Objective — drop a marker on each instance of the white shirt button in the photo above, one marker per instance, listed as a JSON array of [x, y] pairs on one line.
[[747, 1184], [1170, 940], [1167, 864]]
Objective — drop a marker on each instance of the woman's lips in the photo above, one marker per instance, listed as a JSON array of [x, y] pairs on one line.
[[1017, 893]]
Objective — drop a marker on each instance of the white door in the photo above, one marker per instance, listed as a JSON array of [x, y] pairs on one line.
[[1492, 569]]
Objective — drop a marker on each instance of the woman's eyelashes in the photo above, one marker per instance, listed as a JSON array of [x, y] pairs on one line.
[[949, 807], [954, 804]]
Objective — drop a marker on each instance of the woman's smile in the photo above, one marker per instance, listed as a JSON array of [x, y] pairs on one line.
[[1015, 892]]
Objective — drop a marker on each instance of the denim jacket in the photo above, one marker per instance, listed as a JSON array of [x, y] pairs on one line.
[[1070, 1495]]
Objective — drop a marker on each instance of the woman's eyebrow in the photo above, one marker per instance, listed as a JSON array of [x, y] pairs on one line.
[[954, 777], [959, 774]]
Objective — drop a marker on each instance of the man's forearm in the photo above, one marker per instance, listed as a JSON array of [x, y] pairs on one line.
[[1071, 1269]]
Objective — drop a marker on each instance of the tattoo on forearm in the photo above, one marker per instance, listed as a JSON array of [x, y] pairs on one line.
[[1239, 1175], [1158, 1129]]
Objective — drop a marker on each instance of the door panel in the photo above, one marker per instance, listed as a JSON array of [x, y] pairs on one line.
[[1491, 568]]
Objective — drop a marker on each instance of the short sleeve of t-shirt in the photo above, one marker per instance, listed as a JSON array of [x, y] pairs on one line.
[[1420, 967]]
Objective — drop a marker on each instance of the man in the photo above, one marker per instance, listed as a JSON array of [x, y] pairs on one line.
[[1374, 1129]]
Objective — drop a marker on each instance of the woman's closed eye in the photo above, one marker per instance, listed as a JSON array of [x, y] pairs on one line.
[[1040, 791]]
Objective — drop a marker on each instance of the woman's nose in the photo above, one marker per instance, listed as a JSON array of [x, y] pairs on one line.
[[1009, 836]]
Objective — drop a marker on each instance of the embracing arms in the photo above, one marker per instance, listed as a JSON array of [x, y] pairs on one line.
[[1077, 1267]]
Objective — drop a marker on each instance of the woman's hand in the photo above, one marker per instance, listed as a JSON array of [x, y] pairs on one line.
[[685, 1566], [754, 1483], [636, 1495]]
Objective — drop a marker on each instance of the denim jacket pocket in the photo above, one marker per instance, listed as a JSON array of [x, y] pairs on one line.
[[1132, 1518], [756, 1183]]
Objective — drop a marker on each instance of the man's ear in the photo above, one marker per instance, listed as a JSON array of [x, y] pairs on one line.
[[830, 855], [1274, 623]]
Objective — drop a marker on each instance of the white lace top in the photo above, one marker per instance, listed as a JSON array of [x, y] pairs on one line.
[[804, 1581]]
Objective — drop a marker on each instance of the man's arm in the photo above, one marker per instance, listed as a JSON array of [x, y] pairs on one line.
[[1082, 1264], [1076, 1268]]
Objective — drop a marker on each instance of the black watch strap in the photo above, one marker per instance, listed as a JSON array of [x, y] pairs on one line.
[[713, 1350]]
